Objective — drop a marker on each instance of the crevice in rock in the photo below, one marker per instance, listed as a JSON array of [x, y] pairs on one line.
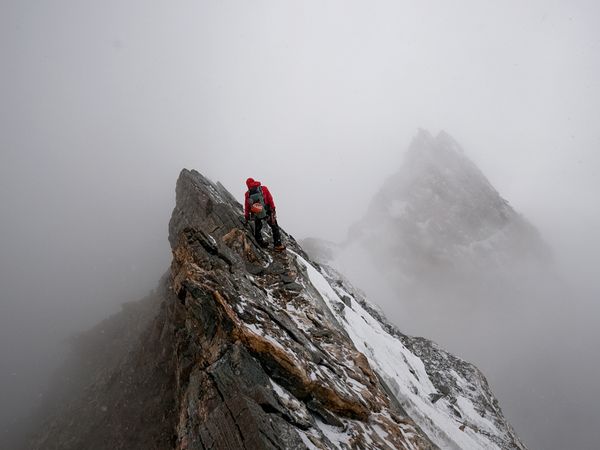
[[274, 357], [270, 409], [208, 243], [291, 333]]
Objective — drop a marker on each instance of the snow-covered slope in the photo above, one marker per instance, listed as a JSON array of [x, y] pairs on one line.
[[447, 397]]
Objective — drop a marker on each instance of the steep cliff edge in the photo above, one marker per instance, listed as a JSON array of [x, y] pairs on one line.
[[254, 350]]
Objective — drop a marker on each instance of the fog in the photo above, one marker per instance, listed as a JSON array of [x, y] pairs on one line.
[[103, 103]]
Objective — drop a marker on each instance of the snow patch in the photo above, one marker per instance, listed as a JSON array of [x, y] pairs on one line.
[[405, 374]]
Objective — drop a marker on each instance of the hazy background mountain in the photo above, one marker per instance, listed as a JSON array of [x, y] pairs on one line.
[[439, 219], [447, 257], [103, 104]]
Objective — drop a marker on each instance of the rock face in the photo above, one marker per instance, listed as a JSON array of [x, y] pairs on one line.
[[251, 349]]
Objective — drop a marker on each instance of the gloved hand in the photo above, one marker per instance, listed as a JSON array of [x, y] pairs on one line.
[[273, 216]]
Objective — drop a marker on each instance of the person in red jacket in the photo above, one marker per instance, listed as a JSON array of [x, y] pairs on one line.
[[259, 206]]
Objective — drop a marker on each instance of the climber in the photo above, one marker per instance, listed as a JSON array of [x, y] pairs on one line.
[[259, 205]]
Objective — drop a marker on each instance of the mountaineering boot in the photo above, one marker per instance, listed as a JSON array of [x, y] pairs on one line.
[[279, 247]]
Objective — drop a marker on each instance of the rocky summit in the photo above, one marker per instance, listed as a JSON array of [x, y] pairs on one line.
[[245, 348]]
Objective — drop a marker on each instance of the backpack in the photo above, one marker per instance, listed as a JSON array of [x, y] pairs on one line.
[[255, 195]]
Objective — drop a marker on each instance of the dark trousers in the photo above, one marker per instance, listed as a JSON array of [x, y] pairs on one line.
[[274, 229]]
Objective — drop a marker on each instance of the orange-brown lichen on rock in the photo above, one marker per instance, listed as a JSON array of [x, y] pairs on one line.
[[292, 369], [238, 241]]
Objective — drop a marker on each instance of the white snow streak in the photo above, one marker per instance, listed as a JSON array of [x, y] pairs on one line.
[[405, 374]]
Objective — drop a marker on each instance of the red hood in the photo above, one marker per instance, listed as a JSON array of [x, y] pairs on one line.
[[251, 182]]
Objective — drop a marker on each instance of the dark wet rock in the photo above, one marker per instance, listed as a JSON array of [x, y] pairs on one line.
[[246, 411], [276, 268], [347, 301], [323, 414], [435, 397], [254, 269], [287, 279], [294, 287], [321, 333]]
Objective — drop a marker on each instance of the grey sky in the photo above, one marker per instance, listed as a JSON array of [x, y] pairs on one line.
[[104, 102]]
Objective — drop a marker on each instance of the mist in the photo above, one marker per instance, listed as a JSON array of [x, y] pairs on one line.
[[104, 103]]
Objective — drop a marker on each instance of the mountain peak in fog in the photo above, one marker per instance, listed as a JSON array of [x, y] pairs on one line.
[[443, 154], [439, 212], [447, 256]]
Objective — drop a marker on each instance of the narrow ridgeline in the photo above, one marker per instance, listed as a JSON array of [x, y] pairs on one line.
[[245, 348]]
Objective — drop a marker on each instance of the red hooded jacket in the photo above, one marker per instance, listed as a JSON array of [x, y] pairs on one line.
[[251, 182]]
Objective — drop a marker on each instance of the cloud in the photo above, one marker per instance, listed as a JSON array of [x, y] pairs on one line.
[[104, 104]]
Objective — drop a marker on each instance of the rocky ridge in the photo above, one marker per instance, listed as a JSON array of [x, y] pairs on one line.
[[250, 349]]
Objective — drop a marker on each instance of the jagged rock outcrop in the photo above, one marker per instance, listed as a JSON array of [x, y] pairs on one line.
[[269, 365], [251, 349]]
